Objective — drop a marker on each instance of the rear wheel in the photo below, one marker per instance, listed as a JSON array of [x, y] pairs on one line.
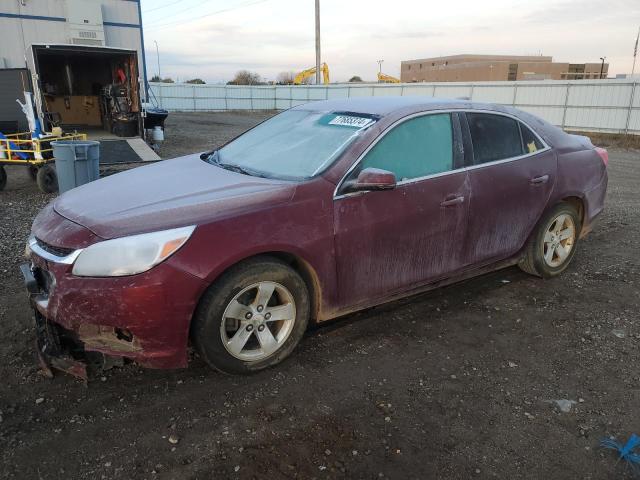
[[33, 172], [553, 244], [3, 178], [252, 317], [47, 179]]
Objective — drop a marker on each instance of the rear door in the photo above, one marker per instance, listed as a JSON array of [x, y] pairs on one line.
[[389, 241], [511, 177]]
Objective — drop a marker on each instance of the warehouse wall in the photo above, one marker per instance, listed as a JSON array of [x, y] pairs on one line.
[[44, 21], [601, 106]]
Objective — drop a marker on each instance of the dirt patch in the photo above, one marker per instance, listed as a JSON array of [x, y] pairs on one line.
[[197, 132], [456, 383], [613, 140]]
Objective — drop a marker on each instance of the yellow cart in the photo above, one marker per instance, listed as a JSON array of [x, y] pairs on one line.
[[35, 154]]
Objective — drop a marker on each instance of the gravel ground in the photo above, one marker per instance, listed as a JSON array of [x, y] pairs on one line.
[[457, 383]]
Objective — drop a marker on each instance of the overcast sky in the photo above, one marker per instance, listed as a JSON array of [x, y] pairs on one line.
[[212, 39]]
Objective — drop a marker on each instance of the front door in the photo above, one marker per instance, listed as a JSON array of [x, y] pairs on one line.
[[511, 181], [390, 241]]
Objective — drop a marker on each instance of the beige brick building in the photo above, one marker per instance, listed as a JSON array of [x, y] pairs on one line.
[[469, 68]]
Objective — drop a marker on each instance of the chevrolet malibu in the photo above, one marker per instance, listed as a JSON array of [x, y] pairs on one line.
[[322, 210]]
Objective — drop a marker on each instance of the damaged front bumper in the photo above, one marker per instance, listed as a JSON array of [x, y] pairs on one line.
[[56, 347], [82, 321]]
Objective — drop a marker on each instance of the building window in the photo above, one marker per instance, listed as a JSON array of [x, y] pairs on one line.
[[408, 67], [420, 66]]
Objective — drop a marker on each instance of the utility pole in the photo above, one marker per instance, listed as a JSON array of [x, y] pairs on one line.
[[602, 66], [635, 54], [158, 57], [318, 42], [380, 65]]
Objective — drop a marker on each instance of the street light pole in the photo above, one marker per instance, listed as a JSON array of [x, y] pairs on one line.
[[317, 42], [635, 54], [158, 57], [602, 66]]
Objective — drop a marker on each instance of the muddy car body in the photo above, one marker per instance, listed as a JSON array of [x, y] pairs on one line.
[[487, 186]]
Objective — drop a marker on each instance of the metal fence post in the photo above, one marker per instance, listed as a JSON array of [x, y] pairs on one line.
[[159, 97], [193, 95], [471, 92], [633, 97], [515, 94], [566, 102]]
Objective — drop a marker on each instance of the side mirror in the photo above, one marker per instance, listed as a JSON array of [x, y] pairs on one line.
[[371, 179]]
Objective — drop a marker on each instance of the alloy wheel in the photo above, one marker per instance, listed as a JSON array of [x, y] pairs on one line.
[[559, 240], [258, 321]]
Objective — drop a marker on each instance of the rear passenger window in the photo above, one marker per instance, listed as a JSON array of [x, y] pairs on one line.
[[530, 142], [416, 148], [494, 137]]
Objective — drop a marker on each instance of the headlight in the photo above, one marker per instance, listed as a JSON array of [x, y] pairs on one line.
[[130, 255]]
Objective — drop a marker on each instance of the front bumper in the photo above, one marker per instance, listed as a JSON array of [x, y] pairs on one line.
[[144, 317]]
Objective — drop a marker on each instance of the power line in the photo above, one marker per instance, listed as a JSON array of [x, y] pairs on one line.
[[163, 6], [197, 5], [237, 7]]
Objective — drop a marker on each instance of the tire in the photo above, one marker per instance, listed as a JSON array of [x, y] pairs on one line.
[[232, 305], [3, 178], [33, 172], [541, 258], [47, 179]]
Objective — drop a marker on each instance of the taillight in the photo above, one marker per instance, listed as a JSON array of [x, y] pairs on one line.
[[604, 155]]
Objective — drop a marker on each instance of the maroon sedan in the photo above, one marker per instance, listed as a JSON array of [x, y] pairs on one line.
[[322, 210]]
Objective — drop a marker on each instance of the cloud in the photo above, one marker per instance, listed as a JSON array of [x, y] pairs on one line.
[[278, 35], [585, 11]]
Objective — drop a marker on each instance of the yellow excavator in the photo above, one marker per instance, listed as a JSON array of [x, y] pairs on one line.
[[384, 78], [310, 72]]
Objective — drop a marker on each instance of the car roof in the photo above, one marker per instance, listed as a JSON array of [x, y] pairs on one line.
[[397, 106], [383, 105]]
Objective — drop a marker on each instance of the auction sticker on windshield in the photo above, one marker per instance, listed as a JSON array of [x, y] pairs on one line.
[[349, 121]]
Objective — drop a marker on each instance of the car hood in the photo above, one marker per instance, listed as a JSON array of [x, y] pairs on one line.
[[167, 194]]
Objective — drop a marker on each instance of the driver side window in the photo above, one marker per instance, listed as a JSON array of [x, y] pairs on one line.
[[416, 148]]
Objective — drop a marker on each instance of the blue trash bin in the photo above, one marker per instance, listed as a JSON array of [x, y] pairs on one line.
[[77, 162]]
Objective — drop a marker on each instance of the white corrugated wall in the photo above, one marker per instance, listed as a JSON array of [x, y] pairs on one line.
[[600, 106]]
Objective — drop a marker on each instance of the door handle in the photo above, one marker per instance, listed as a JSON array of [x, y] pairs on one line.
[[452, 201], [539, 180]]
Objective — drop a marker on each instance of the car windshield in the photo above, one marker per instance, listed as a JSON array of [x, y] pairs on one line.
[[294, 145]]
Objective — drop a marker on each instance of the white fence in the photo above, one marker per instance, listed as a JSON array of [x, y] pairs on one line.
[[601, 106]]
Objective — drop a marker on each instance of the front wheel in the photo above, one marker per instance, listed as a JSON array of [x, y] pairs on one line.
[[47, 179], [553, 245], [252, 317]]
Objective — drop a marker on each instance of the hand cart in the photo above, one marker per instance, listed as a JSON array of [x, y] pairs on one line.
[[34, 153]]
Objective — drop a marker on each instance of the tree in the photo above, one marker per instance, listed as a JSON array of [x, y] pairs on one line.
[[167, 80], [196, 81], [355, 78], [285, 78], [155, 78], [245, 77]]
